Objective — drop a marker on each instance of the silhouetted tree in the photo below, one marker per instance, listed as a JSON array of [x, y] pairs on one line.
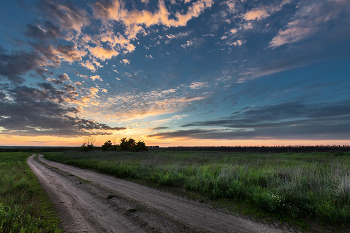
[[131, 145], [107, 145], [141, 146], [127, 144]]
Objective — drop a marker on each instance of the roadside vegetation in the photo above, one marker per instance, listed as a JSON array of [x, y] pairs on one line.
[[24, 206], [301, 186]]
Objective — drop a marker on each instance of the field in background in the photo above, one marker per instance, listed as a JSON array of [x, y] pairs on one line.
[[24, 206], [296, 185]]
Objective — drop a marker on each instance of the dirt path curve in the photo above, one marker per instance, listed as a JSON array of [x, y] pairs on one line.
[[193, 214], [83, 212]]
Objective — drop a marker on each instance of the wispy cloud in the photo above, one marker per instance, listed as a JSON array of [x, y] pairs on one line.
[[198, 85], [66, 15], [178, 35], [264, 11], [292, 120], [129, 106], [310, 19]]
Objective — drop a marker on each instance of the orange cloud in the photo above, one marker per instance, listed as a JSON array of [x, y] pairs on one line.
[[135, 18], [93, 90], [96, 77], [103, 53], [256, 14], [88, 65]]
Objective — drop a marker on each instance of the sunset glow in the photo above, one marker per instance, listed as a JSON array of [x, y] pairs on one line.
[[175, 72]]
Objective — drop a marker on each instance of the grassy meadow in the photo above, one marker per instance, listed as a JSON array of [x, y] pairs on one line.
[[24, 206], [314, 186]]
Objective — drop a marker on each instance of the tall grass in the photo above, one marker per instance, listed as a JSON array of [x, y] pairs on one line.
[[24, 207], [298, 185]]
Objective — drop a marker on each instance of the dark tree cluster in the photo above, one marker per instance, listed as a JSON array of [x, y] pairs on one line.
[[125, 145]]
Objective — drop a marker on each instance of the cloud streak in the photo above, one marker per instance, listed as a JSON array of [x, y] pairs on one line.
[[310, 19]]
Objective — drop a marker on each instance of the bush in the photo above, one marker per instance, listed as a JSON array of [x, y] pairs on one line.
[[115, 148], [125, 145], [85, 147], [107, 145], [141, 146]]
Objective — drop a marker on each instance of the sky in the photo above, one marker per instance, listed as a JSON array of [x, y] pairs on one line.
[[175, 72]]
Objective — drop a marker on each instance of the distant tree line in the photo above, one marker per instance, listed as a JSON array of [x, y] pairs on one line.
[[125, 145]]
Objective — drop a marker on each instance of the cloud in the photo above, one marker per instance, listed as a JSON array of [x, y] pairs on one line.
[[237, 43], [256, 14], [69, 53], [93, 90], [89, 65], [231, 5], [69, 88], [288, 120], [264, 11], [198, 85], [259, 72], [194, 133], [128, 106], [310, 19], [47, 31], [135, 19], [157, 122], [96, 77], [159, 128], [103, 53], [12, 66], [178, 35], [169, 91], [28, 117], [125, 61], [61, 78], [233, 31], [54, 55], [65, 14], [193, 42], [81, 75]]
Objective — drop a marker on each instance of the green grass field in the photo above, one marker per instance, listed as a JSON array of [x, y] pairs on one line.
[[296, 186], [24, 206]]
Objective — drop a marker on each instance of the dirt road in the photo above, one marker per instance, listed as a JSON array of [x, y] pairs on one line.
[[93, 202]]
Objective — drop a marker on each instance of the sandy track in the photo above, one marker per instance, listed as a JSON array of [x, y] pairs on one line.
[[82, 211], [195, 215]]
